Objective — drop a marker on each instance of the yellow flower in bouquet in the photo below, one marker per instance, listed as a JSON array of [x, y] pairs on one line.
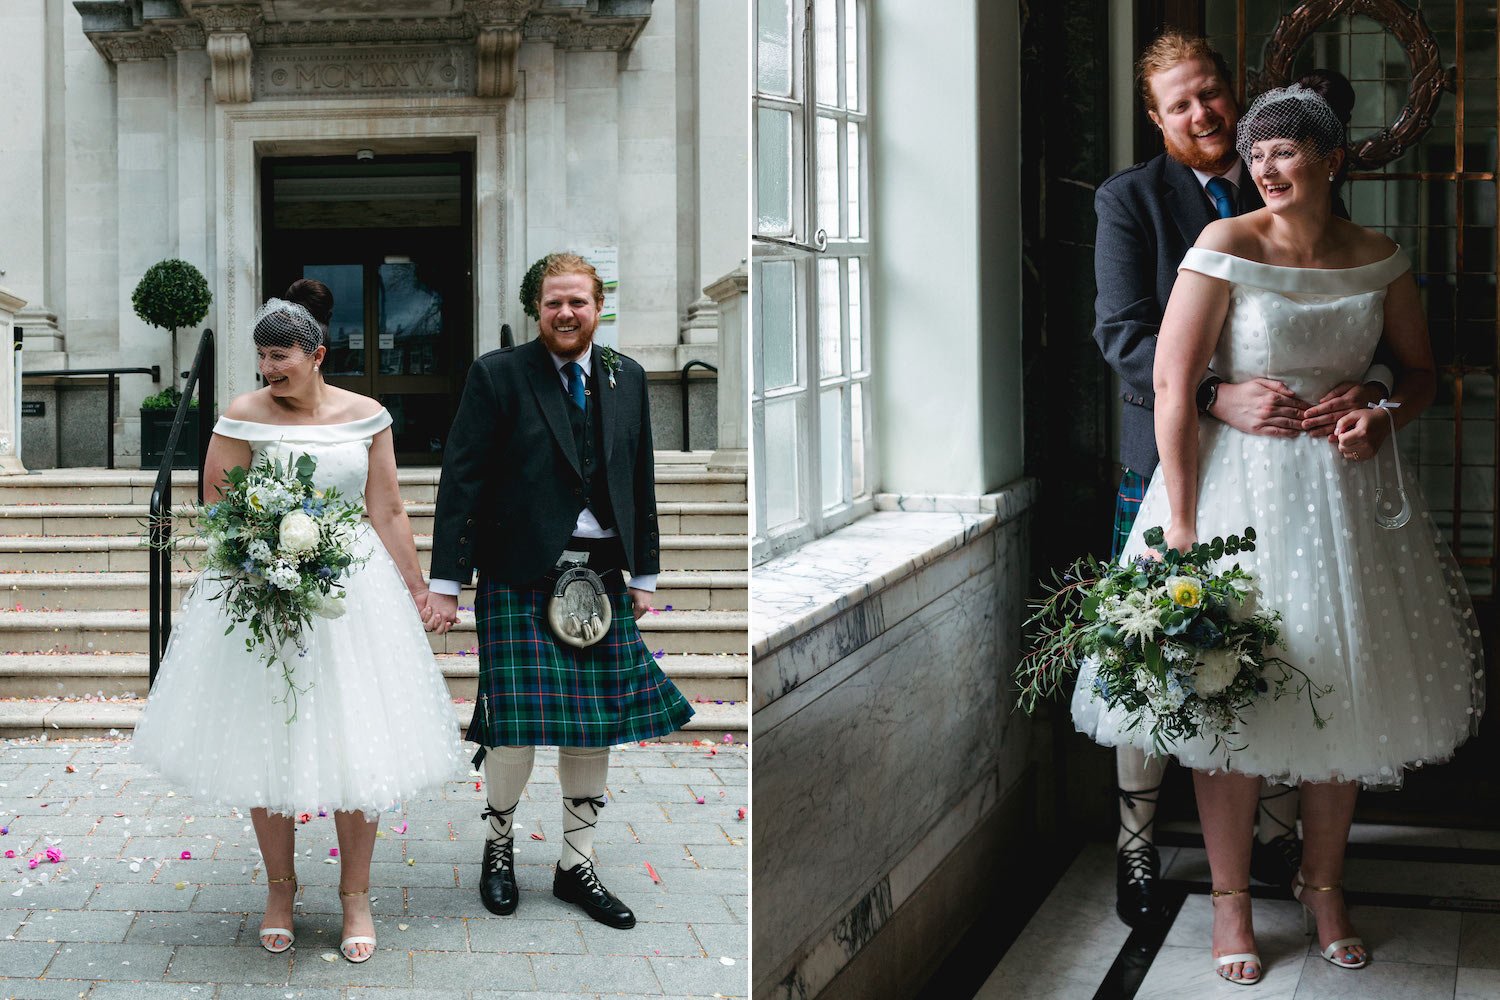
[[1185, 591]]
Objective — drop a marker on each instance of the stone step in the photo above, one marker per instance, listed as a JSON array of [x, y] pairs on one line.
[[675, 482], [124, 675], [128, 632], [714, 590], [33, 717], [122, 553], [88, 519]]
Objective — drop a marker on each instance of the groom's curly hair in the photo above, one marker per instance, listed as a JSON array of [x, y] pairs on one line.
[[568, 263], [1170, 48]]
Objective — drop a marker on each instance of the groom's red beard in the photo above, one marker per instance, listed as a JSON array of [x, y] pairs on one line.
[[1211, 159]]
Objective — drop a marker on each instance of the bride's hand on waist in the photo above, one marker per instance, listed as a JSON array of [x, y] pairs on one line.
[[1260, 406], [1360, 434], [1346, 397]]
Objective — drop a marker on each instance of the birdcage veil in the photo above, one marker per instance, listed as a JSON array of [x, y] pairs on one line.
[[1296, 114], [283, 326]]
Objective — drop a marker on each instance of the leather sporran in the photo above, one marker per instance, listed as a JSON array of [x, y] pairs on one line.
[[578, 611]]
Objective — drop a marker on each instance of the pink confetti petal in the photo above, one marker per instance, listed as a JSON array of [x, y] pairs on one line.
[[401, 828], [54, 855], [32, 863], [740, 813], [700, 800], [187, 855], [10, 854], [652, 872], [333, 852], [537, 836]]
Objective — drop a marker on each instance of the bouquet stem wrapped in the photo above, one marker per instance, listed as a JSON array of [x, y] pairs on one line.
[[1182, 648]]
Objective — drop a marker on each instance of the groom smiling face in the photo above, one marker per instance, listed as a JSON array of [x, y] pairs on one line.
[[568, 314], [1194, 108]]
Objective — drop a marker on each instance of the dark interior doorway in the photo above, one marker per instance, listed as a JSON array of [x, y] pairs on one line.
[[393, 239]]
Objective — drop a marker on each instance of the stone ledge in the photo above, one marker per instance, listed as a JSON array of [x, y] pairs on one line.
[[797, 592]]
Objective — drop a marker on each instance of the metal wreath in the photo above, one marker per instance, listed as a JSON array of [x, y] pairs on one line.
[[1428, 77]]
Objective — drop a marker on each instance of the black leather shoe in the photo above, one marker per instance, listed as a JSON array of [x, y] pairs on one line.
[[1277, 861], [581, 887], [1138, 897], [497, 878]]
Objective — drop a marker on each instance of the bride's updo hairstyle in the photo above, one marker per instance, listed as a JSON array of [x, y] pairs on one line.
[[1313, 114], [284, 324], [314, 296]]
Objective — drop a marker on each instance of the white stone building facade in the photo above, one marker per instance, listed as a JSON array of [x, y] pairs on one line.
[[421, 152]]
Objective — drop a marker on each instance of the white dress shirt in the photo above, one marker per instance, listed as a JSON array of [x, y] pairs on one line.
[[588, 525]]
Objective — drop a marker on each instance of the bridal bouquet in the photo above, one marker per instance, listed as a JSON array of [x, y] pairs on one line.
[[1182, 648], [280, 547]]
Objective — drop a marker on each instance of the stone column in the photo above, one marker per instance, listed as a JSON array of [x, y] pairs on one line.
[[731, 298], [146, 168], [722, 181], [10, 428], [23, 162]]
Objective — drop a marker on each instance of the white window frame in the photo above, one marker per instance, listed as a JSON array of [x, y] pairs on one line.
[[807, 247]]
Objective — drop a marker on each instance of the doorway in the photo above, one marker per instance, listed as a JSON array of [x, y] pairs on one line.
[[392, 239]]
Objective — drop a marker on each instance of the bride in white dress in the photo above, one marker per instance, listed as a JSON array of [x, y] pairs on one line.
[[374, 724], [1375, 610]]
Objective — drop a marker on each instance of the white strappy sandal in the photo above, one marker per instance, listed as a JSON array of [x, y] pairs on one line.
[[1222, 963], [349, 942], [270, 934], [1310, 926]]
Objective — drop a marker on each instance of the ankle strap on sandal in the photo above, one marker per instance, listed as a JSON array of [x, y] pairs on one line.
[[290, 878], [354, 892], [1216, 893], [1319, 888]]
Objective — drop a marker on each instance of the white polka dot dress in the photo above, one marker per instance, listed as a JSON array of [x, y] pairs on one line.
[[375, 724], [1380, 615]]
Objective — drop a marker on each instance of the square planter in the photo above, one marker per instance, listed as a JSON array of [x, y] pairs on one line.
[[156, 427]]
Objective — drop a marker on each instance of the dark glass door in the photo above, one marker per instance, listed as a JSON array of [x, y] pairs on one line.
[[393, 247]]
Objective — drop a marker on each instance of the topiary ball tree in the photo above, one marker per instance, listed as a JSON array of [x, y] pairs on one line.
[[531, 287], [172, 294]]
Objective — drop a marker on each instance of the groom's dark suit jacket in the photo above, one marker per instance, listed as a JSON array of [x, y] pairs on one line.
[[1149, 215], [512, 484]]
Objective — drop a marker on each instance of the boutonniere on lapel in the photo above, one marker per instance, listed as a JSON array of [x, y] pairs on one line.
[[611, 362]]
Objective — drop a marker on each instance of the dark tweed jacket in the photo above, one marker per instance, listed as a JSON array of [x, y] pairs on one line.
[[512, 486], [1149, 215]]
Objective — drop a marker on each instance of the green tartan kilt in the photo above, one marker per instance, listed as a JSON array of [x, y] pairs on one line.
[[537, 691], [1127, 506]]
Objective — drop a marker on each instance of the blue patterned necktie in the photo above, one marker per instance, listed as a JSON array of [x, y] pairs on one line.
[[1222, 192], [575, 383]]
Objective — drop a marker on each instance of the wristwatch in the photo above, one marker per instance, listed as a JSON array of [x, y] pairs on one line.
[[1208, 393]]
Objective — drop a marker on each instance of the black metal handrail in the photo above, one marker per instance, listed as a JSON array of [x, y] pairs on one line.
[[160, 582], [109, 407], [682, 381]]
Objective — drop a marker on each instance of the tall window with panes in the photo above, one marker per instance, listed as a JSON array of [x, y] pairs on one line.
[[810, 397]]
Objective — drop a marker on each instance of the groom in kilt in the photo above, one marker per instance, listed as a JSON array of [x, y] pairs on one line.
[[550, 454]]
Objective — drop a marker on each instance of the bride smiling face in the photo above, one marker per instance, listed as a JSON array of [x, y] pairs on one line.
[[288, 347], [1290, 172]]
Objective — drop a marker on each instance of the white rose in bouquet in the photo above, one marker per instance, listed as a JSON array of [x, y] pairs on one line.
[[1216, 670], [299, 533], [1249, 603]]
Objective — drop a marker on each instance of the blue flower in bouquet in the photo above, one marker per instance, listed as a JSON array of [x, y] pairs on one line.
[[314, 506], [325, 572]]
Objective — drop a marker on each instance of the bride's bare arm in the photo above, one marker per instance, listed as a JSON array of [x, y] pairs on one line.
[[1189, 332], [388, 515]]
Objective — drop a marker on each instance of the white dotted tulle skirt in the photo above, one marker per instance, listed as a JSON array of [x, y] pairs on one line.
[[1380, 615], [374, 725]]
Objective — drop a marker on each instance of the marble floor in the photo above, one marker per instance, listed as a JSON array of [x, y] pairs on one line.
[[1426, 901]]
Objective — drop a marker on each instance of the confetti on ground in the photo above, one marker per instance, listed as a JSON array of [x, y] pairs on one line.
[[403, 927], [329, 956], [187, 855], [740, 813], [305, 818], [70, 769], [652, 872], [726, 960], [333, 852], [401, 828], [537, 836], [701, 800]]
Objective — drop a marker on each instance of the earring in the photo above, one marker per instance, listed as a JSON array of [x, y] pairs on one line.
[[1331, 176]]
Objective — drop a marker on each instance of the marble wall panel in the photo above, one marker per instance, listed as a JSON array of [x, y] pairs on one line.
[[875, 762], [23, 144]]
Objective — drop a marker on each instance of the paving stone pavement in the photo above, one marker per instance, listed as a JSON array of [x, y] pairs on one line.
[[125, 916]]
